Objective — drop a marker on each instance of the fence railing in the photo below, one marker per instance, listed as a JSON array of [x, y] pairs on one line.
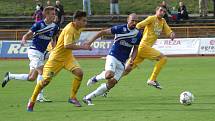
[[181, 32]]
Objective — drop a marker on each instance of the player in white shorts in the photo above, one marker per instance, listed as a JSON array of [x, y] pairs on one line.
[[42, 32], [126, 38]]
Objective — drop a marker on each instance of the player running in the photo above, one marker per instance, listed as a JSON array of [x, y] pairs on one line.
[[61, 57], [153, 26], [42, 33], [126, 38]]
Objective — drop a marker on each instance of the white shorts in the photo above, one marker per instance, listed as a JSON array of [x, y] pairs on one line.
[[112, 64], [36, 58]]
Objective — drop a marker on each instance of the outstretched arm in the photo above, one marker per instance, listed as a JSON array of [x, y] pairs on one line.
[[99, 34], [25, 37], [133, 55]]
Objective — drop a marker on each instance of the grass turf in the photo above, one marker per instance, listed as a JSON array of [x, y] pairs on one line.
[[130, 100]]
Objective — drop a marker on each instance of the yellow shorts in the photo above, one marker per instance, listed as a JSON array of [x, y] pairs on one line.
[[145, 52], [52, 67]]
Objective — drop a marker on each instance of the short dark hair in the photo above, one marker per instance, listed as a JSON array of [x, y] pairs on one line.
[[160, 6], [78, 14]]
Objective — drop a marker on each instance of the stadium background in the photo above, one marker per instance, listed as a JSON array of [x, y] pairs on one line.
[[131, 99]]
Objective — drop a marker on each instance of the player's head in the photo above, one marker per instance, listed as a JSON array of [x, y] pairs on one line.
[[57, 2], [132, 20], [80, 19], [160, 11], [49, 13]]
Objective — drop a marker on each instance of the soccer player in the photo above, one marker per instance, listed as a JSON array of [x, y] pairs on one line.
[[42, 33], [126, 38], [61, 57], [153, 26]]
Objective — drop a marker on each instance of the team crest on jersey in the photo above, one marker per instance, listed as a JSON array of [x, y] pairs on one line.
[[42, 25], [124, 29]]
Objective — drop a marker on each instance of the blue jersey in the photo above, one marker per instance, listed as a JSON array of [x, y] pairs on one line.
[[124, 41], [42, 35]]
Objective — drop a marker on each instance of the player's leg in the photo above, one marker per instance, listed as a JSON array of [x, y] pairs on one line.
[[51, 68], [153, 54], [113, 74], [139, 59], [104, 74], [34, 57], [73, 66]]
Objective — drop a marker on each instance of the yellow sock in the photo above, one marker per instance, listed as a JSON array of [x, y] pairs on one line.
[[157, 68], [37, 90], [75, 86]]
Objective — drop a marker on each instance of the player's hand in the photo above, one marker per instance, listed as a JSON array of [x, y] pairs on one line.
[[23, 42], [172, 36]]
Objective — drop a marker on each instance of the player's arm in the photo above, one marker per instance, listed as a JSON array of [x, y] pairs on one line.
[[141, 25], [168, 31], [98, 35], [133, 54], [69, 43], [27, 36]]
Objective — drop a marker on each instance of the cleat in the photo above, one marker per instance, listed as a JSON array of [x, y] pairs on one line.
[[30, 106], [75, 102], [6, 79], [87, 101], [154, 84], [91, 81], [43, 99]]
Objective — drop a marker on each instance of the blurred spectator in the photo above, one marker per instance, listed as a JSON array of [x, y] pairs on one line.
[[59, 12], [39, 3], [174, 14], [86, 7], [166, 17], [48, 3], [203, 8], [38, 14], [182, 11], [114, 7], [214, 7]]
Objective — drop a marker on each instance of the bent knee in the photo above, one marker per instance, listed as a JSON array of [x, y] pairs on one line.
[[161, 57], [78, 73], [31, 78], [109, 75]]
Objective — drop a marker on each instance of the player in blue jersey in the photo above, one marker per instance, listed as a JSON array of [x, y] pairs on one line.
[[41, 33], [126, 38]]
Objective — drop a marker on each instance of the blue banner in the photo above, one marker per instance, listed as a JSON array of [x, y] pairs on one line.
[[13, 49]]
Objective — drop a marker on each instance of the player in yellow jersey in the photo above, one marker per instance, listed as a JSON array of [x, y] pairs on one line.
[[153, 26], [61, 57]]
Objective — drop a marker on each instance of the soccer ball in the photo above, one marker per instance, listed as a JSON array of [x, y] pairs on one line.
[[186, 98]]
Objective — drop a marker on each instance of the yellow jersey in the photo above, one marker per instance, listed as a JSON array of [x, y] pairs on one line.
[[153, 26], [68, 36]]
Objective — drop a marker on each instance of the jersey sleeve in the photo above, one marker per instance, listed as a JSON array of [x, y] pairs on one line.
[[145, 22], [68, 37], [167, 29], [35, 27], [115, 29]]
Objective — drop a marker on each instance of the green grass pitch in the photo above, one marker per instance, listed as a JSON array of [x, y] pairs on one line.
[[130, 100]]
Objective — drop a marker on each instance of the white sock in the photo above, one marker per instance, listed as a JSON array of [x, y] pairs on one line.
[[99, 91], [39, 78], [101, 76], [18, 76]]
